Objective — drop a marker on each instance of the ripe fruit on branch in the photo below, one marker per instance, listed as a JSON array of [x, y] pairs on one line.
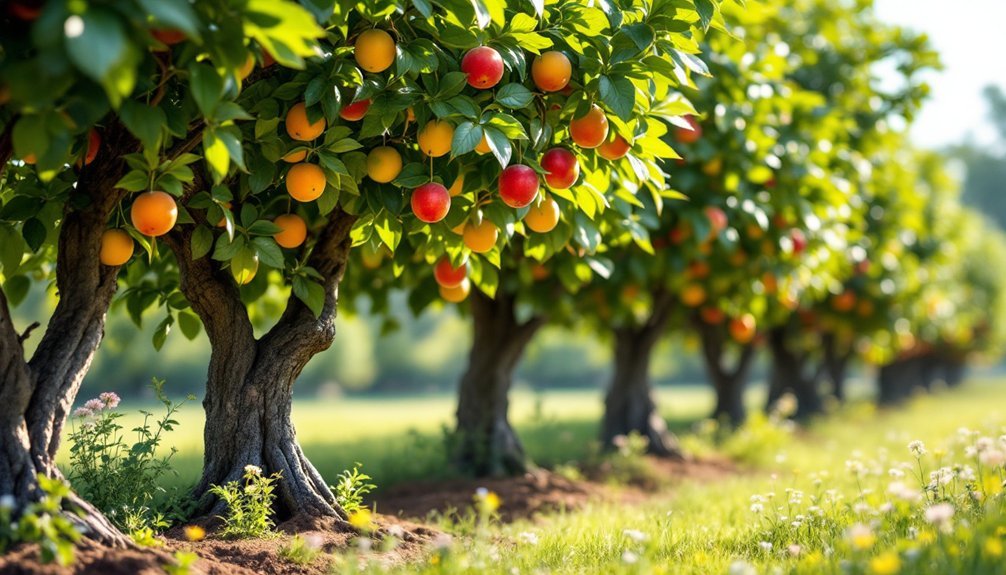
[[93, 145], [484, 67], [562, 168], [590, 130], [374, 50], [355, 111], [483, 146], [481, 237], [298, 126], [246, 68], [435, 138], [458, 186], [693, 295], [295, 157], [384, 163], [717, 220], [154, 213], [551, 71], [799, 240], [614, 148], [543, 216], [518, 185], [686, 136], [431, 202], [456, 294], [116, 247], [742, 328], [168, 36], [294, 230], [449, 276], [305, 182], [844, 302], [712, 315]]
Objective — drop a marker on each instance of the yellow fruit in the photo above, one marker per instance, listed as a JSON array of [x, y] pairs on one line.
[[435, 138], [374, 50], [693, 295], [543, 217], [483, 147], [458, 186], [295, 157], [246, 69], [456, 294], [116, 247], [154, 213], [305, 182], [551, 71], [294, 230], [384, 163], [298, 126], [481, 238]]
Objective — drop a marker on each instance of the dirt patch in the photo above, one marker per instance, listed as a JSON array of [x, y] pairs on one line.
[[244, 557]]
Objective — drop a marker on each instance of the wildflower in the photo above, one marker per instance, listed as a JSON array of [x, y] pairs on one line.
[[741, 568], [861, 536], [887, 507], [984, 444], [396, 531], [895, 473], [757, 508], [110, 399], [855, 467], [993, 547], [940, 515], [252, 471], [94, 405], [442, 541], [362, 519], [886, 563], [966, 473], [629, 557], [314, 541], [528, 538], [766, 546], [794, 550], [487, 501], [635, 535], [194, 533], [82, 412], [992, 458], [964, 432], [917, 448], [7, 502]]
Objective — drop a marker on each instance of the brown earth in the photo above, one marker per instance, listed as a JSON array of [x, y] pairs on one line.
[[523, 497]]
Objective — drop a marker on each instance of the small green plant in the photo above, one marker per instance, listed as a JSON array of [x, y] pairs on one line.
[[42, 522], [184, 560], [627, 464], [142, 525], [119, 478], [353, 484], [301, 550], [249, 504]]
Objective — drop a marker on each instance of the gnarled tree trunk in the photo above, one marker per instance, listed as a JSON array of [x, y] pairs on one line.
[[629, 405], [835, 363], [249, 387], [729, 382], [487, 444], [789, 373], [39, 392]]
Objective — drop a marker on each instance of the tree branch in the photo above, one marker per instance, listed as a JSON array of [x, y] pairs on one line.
[[7, 144]]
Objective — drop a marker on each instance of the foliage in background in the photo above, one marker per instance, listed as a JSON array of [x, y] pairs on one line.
[[42, 523]]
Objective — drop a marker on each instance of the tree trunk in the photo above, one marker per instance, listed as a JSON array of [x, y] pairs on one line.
[[835, 364], [728, 382], [955, 369], [249, 389], [789, 374], [38, 393], [629, 405], [487, 444], [898, 379]]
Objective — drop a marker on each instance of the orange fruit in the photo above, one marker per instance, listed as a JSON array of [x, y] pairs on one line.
[[116, 247], [246, 69], [384, 163], [294, 230], [299, 127], [154, 213], [93, 145], [223, 219], [693, 295], [30, 159], [458, 293], [481, 238], [483, 147], [458, 186], [295, 157], [543, 216], [591, 130], [742, 328], [435, 138], [614, 148], [551, 71], [374, 50], [305, 182]]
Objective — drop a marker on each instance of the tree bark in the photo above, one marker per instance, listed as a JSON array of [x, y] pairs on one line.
[[38, 393], [729, 382], [835, 364], [896, 380], [629, 405], [249, 387], [789, 374], [487, 444]]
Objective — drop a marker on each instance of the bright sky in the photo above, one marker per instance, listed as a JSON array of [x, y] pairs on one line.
[[970, 38]]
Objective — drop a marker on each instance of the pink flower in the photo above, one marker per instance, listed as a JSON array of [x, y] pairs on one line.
[[110, 399], [94, 405], [82, 412]]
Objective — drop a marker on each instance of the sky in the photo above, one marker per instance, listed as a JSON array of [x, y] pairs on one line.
[[969, 34]]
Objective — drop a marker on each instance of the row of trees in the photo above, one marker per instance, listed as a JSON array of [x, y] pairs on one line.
[[256, 152]]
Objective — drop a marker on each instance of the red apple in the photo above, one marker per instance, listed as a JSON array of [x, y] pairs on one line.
[[484, 67], [562, 168], [449, 276], [518, 186], [799, 240], [431, 202], [354, 111], [686, 136]]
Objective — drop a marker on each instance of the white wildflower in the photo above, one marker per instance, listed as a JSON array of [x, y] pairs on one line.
[[94, 405], [741, 568], [757, 508], [966, 473], [629, 557], [992, 458], [442, 541], [253, 470], [940, 515], [364, 544], [887, 507], [110, 399], [984, 444], [635, 535], [313, 541], [895, 473], [855, 467], [970, 451], [396, 531], [766, 546], [82, 412], [964, 432], [795, 550], [757, 499], [528, 538], [917, 448]]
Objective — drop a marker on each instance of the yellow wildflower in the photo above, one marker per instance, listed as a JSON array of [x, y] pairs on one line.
[[362, 519], [887, 563], [993, 547], [487, 501], [194, 533], [861, 537]]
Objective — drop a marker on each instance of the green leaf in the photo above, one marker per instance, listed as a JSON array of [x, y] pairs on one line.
[[33, 231], [207, 87], [162, 331], [514, 96], [706, 10], [102, 50], [284, 29], [144, 122], [311, 293], [177, 14], [218, 157], [202, 241], [389, 229], [16, 288], [619, 95], [499, 144], [269, 252], [11, 250], [466, 136], [189, 324]]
